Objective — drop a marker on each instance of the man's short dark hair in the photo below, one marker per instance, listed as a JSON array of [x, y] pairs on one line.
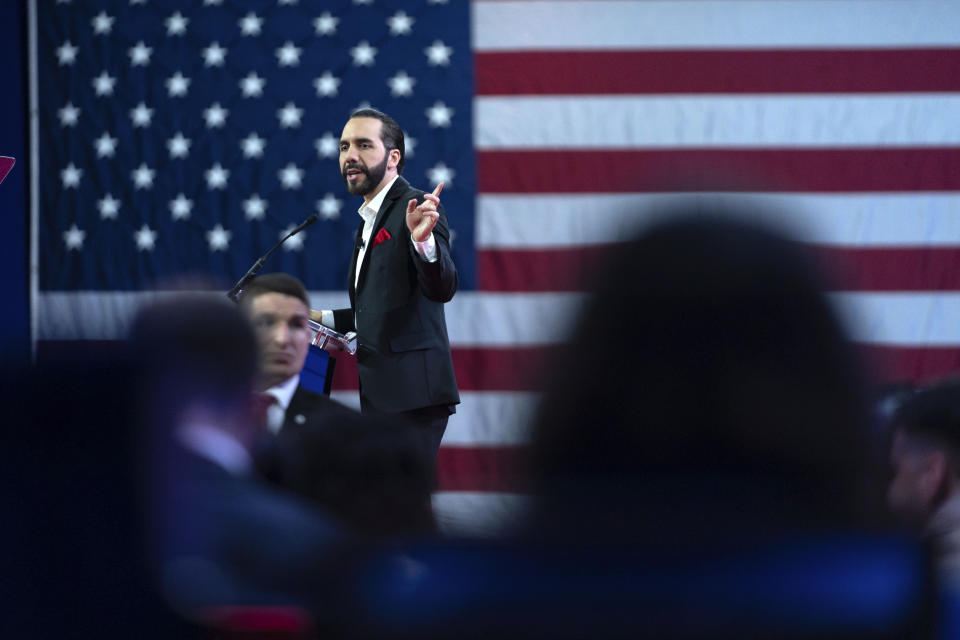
[[390, 132], [932, 412], [275, 283]]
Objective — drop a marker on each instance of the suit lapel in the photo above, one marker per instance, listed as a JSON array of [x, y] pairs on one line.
[[353, 264], [299, 404], [308, 406], [386, 209]]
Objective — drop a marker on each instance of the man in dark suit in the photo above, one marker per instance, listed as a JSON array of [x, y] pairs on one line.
[[401, 274], [278, 307]]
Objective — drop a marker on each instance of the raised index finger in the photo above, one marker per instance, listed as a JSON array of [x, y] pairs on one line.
[[439, 188]]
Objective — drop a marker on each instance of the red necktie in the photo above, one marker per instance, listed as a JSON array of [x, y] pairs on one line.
[[261, 403]]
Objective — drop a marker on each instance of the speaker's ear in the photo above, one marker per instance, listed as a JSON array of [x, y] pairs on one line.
[[394, 158]]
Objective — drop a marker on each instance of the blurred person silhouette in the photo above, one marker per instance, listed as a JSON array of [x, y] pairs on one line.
[[719, 388], [221, 536], [278, 306], [925, 456]]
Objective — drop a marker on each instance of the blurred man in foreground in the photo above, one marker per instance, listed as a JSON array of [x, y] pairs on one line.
[[732, 395], [222, 537]]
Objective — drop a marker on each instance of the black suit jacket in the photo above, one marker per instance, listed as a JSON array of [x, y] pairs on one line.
[[309, 407], [403, 352], [307, 410]]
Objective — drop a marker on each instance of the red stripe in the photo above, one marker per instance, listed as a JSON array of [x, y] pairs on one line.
[[728, 170], [345, 376], [482, 469], [852, 269], [717, 71], [501, 369], [892, 269], [911, 364], [53, 353], [566, 269]]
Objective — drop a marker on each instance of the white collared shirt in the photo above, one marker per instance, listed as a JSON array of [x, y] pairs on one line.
[[368, 212], [283, 393]]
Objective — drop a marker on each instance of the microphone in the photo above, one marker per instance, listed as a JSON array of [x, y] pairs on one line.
[[300, 227], [255, 269]]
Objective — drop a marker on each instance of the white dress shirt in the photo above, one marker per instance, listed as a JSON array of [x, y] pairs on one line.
[[282, 393]]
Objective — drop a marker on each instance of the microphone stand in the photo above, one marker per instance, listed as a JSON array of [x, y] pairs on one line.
[[255, 269]]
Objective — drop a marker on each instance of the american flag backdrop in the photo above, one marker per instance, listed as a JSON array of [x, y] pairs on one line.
[[181, 137]]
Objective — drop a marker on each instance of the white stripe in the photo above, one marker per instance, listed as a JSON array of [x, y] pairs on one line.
[[497, 319], [329, 300], [482, 417], [510, 319], [543, 221], [492, 418], [794, 120], [107, 315], [476, 514], [905, 319], [692, 24], [88, 315], [476, 319]]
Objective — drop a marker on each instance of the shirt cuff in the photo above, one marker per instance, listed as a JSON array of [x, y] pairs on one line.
[[427, 249], [326, 319]]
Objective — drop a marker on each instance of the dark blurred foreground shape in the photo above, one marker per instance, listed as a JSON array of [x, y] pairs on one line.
[[838, 585], [132, 510], [724, 391], [221, 537]]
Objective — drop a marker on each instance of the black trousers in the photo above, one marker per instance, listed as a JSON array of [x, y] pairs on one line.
[[431, 423]]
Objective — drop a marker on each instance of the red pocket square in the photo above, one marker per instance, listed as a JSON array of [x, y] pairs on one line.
[[382, 235]]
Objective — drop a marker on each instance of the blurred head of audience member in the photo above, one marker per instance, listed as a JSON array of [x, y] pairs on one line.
[[279, 308], [200, 361], [925, 455], [367, 470], [708, 381]]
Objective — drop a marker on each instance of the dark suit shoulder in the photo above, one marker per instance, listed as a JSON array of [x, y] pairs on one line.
[[310, 407], [306, 400]]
